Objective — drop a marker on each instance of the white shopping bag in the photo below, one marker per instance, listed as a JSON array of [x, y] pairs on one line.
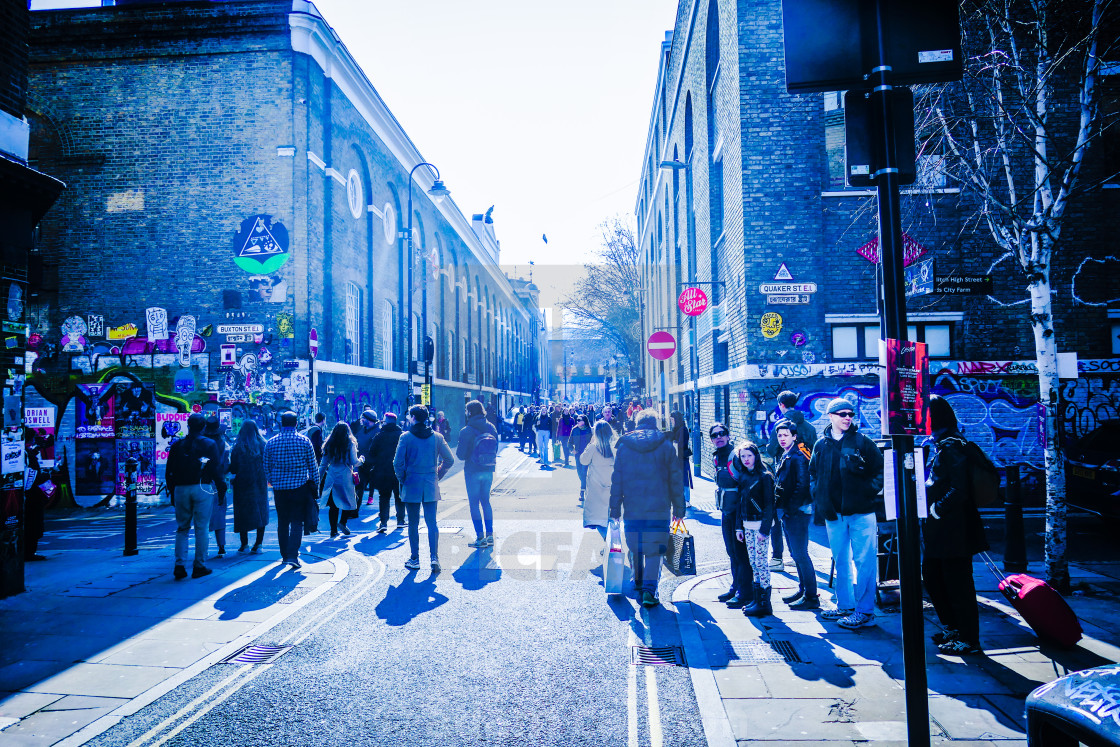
[[612, 566]]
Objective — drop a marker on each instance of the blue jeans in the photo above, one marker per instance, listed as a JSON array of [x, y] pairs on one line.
[[796, 526], [192, 506], [854, 538], [581, 470], [414, 529], [478, 496], [542, 446], [291, 507]]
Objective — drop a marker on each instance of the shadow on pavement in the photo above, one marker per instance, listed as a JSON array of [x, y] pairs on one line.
[[477, 570], [409, 599], [258, 594], [821, 661]]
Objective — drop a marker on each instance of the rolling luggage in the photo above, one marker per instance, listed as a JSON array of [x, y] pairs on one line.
[[612, 564], [1043, 608]]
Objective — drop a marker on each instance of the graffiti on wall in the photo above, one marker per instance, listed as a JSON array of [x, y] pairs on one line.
[[1085, 404], [348, 406]]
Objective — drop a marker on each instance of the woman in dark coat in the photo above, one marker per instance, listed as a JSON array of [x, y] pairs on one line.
[[646, 491], [795, 505], [250, 486], [681, 437], [755, 521], [952, 534]]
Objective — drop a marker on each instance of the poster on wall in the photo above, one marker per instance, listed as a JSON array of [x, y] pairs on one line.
[[170, 427], [93, 414], [94, 468], [40, 434], [11, 458], [905, 381], [134, 410], [144, 450]]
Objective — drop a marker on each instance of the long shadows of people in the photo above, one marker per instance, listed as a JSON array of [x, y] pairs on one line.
[[477, 570], [412, 597], [259, 594]]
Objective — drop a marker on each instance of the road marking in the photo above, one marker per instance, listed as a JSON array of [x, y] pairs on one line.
[[632, 705], [655, 737]]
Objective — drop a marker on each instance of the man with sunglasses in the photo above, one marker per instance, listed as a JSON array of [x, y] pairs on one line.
[[845, 478], [727, 501]]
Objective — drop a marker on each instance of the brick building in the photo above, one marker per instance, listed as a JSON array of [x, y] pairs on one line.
[[237, 184], [755, 211]]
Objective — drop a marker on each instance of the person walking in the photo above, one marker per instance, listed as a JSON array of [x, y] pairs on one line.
[[384, 479], [564, 430], [442, 425], [478, 450], [340, 459], [215, 431], [528, 431], [250, 486], [755, 521], [190, 471], [793, 501], [787, 402], [682, 441], [518, 427], [951, 535], [845, 477], [578, 440], [289, 464], [646, 492], [597, 460], [544, 435], [315, 434], [364, 430], [422, 459], [727, 501]]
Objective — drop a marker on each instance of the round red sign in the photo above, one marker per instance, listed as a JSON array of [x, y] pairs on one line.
[[661, 345], [313, 342], [693, 301]]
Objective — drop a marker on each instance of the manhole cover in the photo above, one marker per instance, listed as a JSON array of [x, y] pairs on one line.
[[671, 656], [255, 654], [760, 652]]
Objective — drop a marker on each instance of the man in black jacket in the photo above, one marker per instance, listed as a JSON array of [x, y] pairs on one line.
[[647, 485], [787, 406], [191, 463], [382, 478], [845, 478]]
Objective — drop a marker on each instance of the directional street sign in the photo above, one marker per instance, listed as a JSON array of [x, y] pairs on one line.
[[661, 345]]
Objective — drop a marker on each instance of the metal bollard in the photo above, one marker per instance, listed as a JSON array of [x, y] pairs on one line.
[[1015, 547], [131, 467]]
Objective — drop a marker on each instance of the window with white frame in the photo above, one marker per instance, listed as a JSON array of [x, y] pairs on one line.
[[387, 335], [353, 313], [861, 341]]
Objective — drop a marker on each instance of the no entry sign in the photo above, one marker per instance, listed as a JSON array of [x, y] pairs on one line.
[[692, 301], [661, 345], [313, 342]]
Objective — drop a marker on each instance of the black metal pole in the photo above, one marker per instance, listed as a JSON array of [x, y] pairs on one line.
[[131, 467], [1015, 540], [894, 327]]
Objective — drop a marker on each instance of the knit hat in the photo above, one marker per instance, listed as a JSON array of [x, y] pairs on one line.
[[839, 405], [370, 415], [390, 417]]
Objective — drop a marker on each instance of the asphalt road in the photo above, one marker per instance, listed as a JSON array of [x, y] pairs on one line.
[[519, 645]]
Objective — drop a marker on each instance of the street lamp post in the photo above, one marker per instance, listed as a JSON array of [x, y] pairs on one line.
[[438, 191]]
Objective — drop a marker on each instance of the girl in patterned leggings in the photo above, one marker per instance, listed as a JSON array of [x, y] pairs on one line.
[[756, 518]]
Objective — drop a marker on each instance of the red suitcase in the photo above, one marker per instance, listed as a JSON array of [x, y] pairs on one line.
[[1041, 606]]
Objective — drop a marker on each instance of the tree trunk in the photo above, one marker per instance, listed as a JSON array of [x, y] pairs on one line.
[[1046, 355]]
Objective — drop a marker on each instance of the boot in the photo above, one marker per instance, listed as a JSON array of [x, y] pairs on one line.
[[761, 606], [791, 598]]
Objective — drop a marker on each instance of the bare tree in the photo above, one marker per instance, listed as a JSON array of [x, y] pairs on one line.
[[605, 303], [1014, 133]]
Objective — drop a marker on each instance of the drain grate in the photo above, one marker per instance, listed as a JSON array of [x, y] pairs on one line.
[[761, 652], [256, 654], [672, 656]]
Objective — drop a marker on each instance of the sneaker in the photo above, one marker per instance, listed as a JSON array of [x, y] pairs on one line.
[[243, 549], [256, 550], [344, 529], [958, 647], [726, 595], [369, 502], [649, 600], [944, 636], [334, 535], [221, 552], [383, 529], [412, 564], [295, 564], [435, 566], [200, 571], [489, 540], [806, 603], [835, 614], [856, 620], [776, 564], [180, 573], [480, 542], [794, 597]]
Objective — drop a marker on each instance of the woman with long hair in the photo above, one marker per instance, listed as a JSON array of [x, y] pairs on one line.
[[250, 486], [340, 459], [598, 457], [756, 520]]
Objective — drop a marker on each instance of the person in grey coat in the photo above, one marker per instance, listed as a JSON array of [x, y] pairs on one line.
[[250, 486], [422, 459], [646, 490]]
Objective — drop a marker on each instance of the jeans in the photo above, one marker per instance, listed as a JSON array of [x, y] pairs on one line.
[[478, 496], [776, 537], [414, 529], [567, 450], [542, 446], [192, 505], [386, 491], [290, 509], [796, 526], [526, 440], [742, 578], [854, 538], [952, 590], [581, 470]]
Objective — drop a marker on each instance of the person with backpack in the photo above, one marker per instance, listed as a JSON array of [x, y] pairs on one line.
[[952, 534], [793, 502], [191, 464], [478, 449]]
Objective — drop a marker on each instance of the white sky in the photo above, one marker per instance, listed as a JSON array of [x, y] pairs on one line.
[[539, 108]]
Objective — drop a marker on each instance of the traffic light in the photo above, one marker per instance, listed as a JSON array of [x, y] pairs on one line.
[[429, 349]]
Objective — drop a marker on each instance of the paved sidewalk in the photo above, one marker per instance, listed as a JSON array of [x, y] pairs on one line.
[[796, 678], [98, 636]]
